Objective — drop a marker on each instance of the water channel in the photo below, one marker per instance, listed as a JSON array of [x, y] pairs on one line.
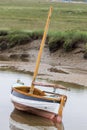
[[74, 114]]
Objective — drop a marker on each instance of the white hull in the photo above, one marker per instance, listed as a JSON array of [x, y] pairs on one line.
[[47, 106]]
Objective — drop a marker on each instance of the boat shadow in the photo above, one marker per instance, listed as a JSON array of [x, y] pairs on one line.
[[24, 121]]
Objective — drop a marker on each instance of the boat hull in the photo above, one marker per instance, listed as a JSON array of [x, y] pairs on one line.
[[35, 111], [41, 107]]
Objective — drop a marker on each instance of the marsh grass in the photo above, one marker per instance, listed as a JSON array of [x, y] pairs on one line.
[[67, 40], [73, 39], [67, 29], [9, 39], [32, 15], [18, 39], [56, 41]]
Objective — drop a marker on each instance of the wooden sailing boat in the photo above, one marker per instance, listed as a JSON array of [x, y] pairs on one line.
[[43, 103]]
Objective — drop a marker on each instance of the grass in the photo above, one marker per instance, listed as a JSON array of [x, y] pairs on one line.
[[67, 29], [9, 39], [67, 40], [31, 15]]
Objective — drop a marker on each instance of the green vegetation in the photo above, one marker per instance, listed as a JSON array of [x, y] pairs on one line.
[[66, 40], [32, 15], [9, 39], [73, 39], [68, 25]]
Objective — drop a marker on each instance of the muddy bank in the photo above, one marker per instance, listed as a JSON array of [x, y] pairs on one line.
[[58, 66]]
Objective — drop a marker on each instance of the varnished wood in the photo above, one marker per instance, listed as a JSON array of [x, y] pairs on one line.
[[51, 85], [43, 96], [41, 49]]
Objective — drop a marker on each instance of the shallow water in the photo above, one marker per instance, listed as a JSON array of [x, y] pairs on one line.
[[74, 114]]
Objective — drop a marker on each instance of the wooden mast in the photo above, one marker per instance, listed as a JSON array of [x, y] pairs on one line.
[[41, 49]]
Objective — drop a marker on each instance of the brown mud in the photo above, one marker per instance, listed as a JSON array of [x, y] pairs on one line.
[[58, 66]]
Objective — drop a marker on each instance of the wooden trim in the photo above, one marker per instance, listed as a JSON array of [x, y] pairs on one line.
[[51, 85], [18, 89]]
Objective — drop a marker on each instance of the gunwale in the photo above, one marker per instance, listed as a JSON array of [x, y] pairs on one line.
[[18, 89]]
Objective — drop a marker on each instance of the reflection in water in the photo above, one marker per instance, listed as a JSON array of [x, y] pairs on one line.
[[25, 121]]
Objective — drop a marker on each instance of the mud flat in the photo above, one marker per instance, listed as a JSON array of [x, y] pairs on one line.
[[58, 66]]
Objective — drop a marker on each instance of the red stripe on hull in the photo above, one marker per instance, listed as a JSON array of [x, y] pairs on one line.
[[42, 113]]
